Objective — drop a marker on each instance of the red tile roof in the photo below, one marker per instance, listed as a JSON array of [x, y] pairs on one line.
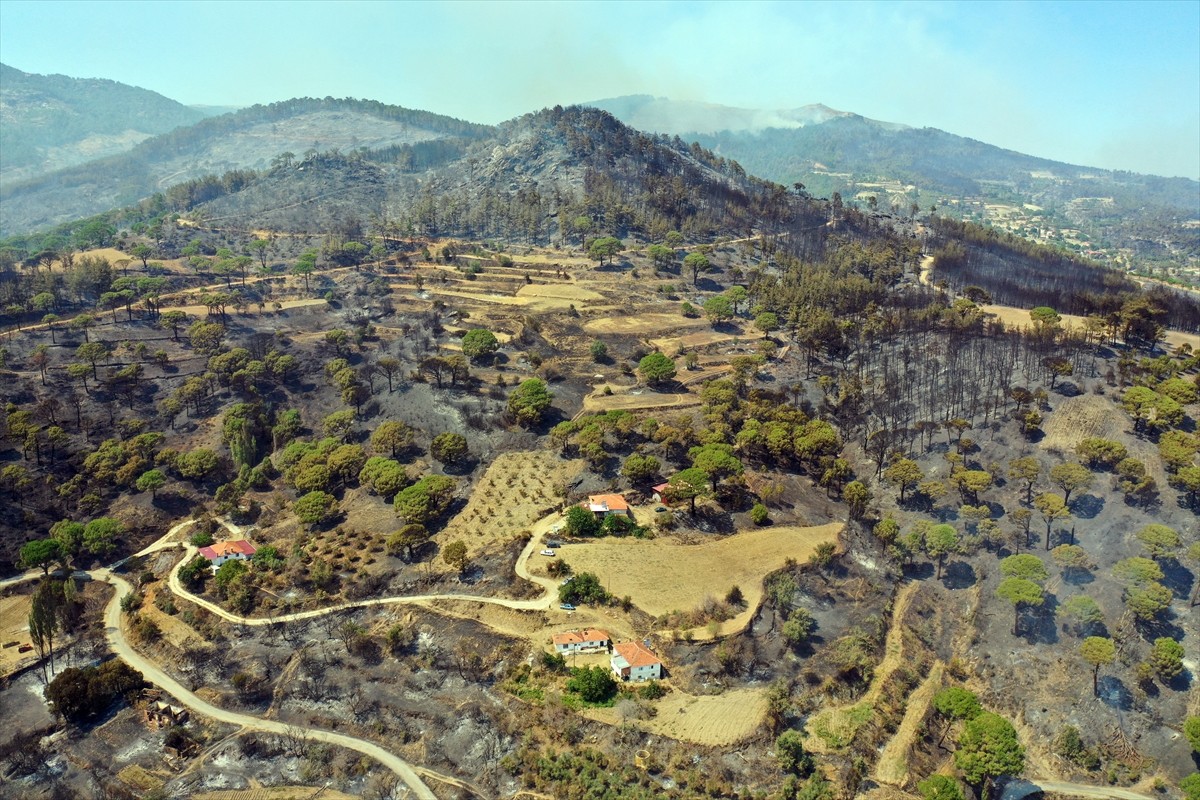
[[579, 637], [218, 549], [607, 502], [636, 654]]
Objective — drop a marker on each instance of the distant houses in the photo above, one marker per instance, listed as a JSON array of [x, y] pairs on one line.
[[218, 553], [589, 640], [607, 505], [634, 661]]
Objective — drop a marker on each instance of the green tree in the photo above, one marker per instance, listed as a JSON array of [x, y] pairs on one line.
[[955, 704], [449, 448], [1098, 652], [789, 749], [688, 484], [1021, 593], [197, 464], [1137, 571], [314, 507], [1160, 541], [151, 481], [656, 368], [661, 255], [718, 309], [1027, 470], [426, 499], [1166, 658], [857, 496], [41, 553], [100, 534], [604, 247], [639, 468], [594, 684], [939, 787], [1025, 566], [598, 351], [339, 424], [1191, 786], [581, 522], [1051, 507], [697, 263], [987, 749], [759, 514], [478, 343], [1191, 729], [392, 436], [455, 555], [407, 539], [766, 322], [1082, 610], [530, 401], [940, 541], [1070, 477], [1147, 602], [799, 627], [905, 474], [583, 588], [717, 460]]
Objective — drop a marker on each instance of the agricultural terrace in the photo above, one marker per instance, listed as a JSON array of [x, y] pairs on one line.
[[713, 720], [663, 575]]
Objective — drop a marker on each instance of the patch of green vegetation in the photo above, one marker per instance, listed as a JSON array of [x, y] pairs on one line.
[[837, 728]]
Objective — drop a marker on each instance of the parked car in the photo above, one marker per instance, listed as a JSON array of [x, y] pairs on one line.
[[547, 552], [566, 607], [553, 544], [660, 508]]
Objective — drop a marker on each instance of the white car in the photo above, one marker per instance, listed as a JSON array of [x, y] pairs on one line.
[[547, 552]]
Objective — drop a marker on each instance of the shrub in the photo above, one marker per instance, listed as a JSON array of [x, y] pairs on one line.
[[759, 515]]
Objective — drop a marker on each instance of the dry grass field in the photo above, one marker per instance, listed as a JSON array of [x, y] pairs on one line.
[[662, 575], [628, 398], [14, 627], [892, 766], [641, 324], [714, 720], [1019, 318], [1077, 418], [516, 491], [675, 344], [276, 793]]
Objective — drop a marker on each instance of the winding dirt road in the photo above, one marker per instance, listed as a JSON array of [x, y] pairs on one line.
[[153, 674]]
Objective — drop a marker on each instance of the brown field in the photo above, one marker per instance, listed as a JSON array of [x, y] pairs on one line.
[[623, 399], [662, 575], [515, 492], [1019, 318], [140, 778], [639, 324], [892, 766], [1076, 418], [14, 627], [559, 291], [674, 344], [710, 719], [276, 793]]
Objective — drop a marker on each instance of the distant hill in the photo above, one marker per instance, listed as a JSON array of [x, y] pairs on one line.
[[247, 139], [52, 121], [530, 180], [1104, 213]]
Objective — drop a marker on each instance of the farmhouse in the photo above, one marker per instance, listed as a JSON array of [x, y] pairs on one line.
[[634, 661], [585, 641], [218, 553], [607, 505]]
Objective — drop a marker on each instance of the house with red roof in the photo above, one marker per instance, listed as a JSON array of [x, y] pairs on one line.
[[635, 661], [607, 505], [588, 640], [218, 553]]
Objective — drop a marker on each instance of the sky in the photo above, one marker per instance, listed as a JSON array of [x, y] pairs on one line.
[[1107, 84]]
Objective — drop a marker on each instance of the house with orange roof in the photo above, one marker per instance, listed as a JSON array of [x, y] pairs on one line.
[[218, 553], [588, 640], [607, 505], [635, 661]]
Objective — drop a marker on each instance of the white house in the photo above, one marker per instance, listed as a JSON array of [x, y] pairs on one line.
[[218, 553], [634, 661], [585, 641]]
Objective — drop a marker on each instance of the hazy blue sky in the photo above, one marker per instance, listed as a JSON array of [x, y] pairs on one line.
[[1109, 84]]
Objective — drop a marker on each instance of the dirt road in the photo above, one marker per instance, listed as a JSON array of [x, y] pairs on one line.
[[1020, 789], [153, 674]]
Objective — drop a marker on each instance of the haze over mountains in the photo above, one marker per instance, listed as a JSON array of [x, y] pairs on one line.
[[75, 148]]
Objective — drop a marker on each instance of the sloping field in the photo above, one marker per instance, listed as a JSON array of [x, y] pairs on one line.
[[276, 793], [722, 719], [560, 291], [662, 575], [1019, 318], [673, 344], [626, 400], [14, 627], [1077, 418], [639, 324], [516, 491], [892, 766]]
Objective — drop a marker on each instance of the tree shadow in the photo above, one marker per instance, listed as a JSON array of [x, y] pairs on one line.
[[1077, 576], [1114, 693], [1178, 578], [958, 575], [920, 571], [1039, 625], [1087, 506]]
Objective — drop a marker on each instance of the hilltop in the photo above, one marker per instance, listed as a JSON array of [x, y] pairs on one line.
[[249, 139], [1124, 218], [53, 121]]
